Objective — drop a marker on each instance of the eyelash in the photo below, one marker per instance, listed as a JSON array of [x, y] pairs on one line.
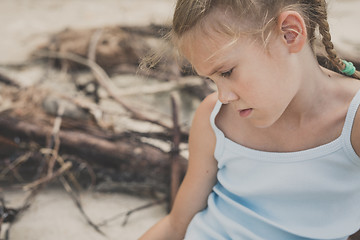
[[227, 73]]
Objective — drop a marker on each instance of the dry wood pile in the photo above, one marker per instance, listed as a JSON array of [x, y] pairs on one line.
[[89, 118]]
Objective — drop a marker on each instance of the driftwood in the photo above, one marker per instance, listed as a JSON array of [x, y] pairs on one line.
[[140, 168], [117, 49], [140, 162], [177, 170]]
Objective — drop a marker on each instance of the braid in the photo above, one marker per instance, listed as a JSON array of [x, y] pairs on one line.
[[319, 15]]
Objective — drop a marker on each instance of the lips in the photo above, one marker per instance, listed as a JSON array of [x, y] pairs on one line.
[[245, 112]]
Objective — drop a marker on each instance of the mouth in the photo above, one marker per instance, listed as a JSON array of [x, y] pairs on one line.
[[245, 112]]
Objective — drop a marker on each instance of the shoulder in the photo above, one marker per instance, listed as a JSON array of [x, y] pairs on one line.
[[203, 112], [202, 136], [355, 133], [207, 105]]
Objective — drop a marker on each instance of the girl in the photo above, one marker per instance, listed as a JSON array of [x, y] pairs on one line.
[[274, 154]]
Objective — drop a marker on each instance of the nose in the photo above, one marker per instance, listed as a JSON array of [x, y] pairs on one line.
[[226, 96]]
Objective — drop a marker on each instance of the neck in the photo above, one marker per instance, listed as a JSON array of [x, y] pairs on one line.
[[311, 96]]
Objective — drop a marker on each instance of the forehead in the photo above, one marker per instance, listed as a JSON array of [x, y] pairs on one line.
[[207, 46], [207, 51], [213, 38]]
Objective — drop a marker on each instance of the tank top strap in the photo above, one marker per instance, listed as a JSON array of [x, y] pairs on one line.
[[351, 113], [348, 125], [214, 113], [220, 137]]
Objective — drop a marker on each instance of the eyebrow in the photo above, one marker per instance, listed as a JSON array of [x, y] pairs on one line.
[[218, 64], [216, 69]]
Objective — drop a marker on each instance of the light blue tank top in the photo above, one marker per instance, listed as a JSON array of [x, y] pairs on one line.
[[310, 194]]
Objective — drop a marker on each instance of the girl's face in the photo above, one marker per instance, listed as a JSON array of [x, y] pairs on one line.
[[258, 83]]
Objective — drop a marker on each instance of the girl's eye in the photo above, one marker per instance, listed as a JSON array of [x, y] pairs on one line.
[[227, 73]]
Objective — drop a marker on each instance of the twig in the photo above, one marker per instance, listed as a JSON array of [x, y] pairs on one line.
[[92, 57], [88, 167], [30, 198], [128, 213], [46, 179], [93, 44], [55, 144], [79, 206], [55, 139], [18, 161], [70, 175], [175, 164]]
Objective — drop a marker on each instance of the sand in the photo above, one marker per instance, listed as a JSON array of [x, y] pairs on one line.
[[53, 216]]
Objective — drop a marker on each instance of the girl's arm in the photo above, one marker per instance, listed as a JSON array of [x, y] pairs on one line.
[[199, 180]]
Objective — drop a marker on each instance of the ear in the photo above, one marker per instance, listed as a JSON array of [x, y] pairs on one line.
[[293, 30]]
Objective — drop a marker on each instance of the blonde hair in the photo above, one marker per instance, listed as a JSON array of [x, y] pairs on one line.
[[259, 16]]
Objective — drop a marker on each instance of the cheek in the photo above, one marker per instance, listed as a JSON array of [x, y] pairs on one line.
[[263, 82]]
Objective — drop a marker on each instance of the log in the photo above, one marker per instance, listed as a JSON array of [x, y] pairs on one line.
[[143, 166], [117, 48]]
